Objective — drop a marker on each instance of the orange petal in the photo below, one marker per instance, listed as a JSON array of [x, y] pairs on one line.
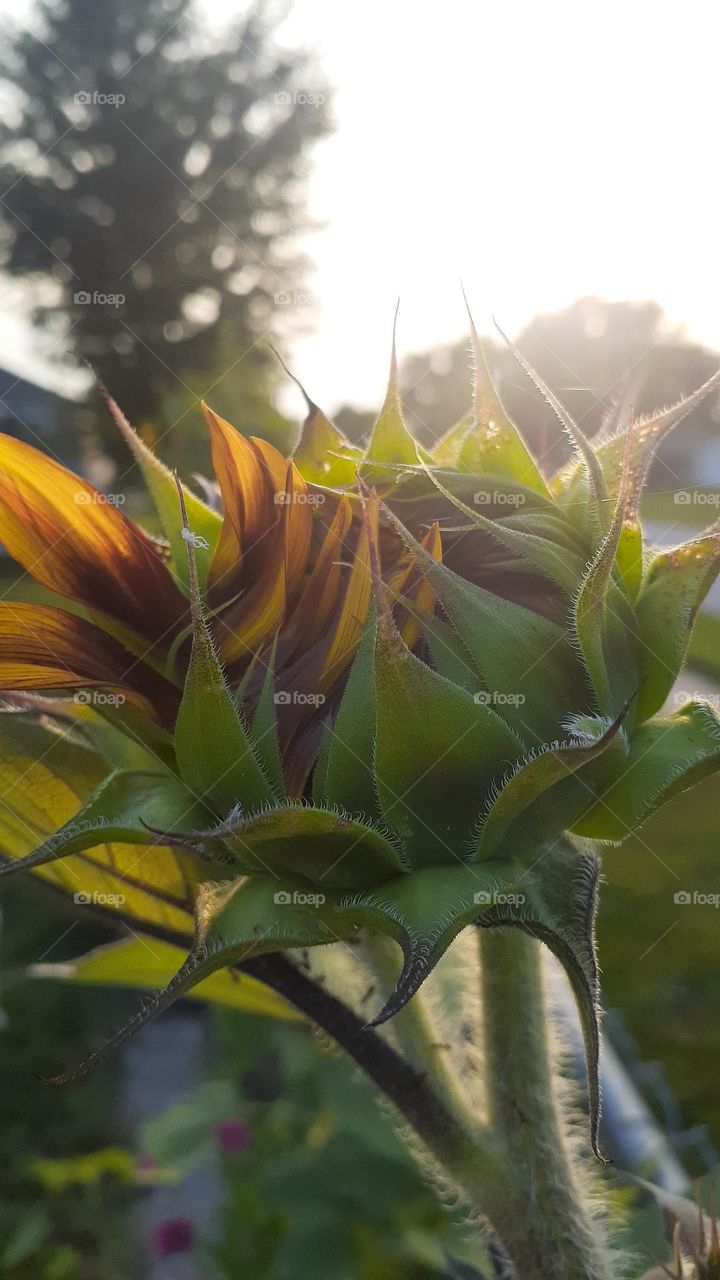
[[45, 648], [320, 593], [248, 495], [248, 624], [73, 541], [420, 592], [356, 599]]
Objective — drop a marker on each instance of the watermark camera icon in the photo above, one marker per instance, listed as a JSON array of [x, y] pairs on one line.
[[682, 898]]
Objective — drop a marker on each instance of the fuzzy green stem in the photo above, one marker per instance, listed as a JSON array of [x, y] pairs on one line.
[[556, 1234], [413, 1029]]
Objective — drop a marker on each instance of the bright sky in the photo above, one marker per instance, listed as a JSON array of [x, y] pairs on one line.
[[540, 151]]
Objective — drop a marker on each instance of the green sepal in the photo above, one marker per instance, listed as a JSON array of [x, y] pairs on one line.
[[204, 522], [390, 441], [559, 564], [215, 753], [517, 653], [666, 756], [675, 586], [445, 451], [265, 731], [586, 453], [326, 848], [448, 655], [559, 909], [493, 444], [542, 792], [603, 616], [570, 483], [322, 454], [121, 810], [347, 779], [235, 921], [437, 752], [424, 912]]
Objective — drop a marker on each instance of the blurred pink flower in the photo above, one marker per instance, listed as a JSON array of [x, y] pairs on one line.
[[233, 1135], [173, 1235]]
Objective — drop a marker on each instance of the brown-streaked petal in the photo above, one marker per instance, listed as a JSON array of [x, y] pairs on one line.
[[419, 591], [249, 623], [355, 602], [44, 648], [309, 620], [247, 493], [75, 542]]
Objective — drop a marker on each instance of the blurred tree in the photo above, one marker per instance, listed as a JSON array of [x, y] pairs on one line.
[[596, 356], [151, 178]]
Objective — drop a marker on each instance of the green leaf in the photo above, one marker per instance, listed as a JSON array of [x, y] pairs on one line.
[[149, 963], [215, 754], [320, 442], [675, 586], [666, 757], [445, 452], [204, 522], [121, 809]]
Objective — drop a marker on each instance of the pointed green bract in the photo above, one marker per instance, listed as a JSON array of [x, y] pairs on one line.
[[347, 780], [123, 808], [666, 757], [493, 445], [675, 586], [431, 796], [326, 848], [648, 435], [523, 660], [531, 795], [424, 913], [265, 731], [215, 755], [559, 908], [321, 456], [560, 565], [580, 442], [204, 522], [603, 615], [235, 922], [390, 440]]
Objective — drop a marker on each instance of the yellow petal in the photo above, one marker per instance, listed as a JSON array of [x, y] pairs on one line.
[[73, 541], [45, 648]]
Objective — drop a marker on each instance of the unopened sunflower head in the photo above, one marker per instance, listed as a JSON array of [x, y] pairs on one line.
[[387, 689]]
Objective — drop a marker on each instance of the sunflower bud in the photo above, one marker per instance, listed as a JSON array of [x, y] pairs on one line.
[[398, 690]]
